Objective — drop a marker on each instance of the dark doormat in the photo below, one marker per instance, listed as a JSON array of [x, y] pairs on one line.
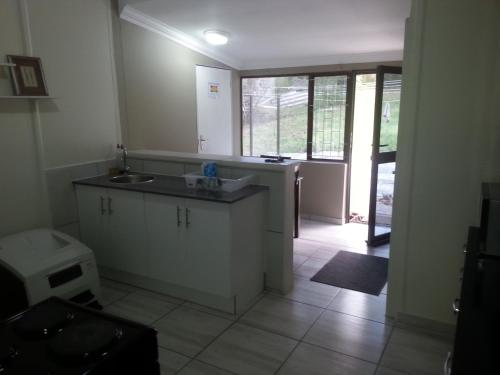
[[363, 273]]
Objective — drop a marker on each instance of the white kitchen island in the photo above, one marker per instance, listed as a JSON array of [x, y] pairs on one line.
[[279, 218], [203, 246]]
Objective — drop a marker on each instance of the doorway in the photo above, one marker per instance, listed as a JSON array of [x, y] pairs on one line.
[[214, 111], [373, 152], [385, 134]]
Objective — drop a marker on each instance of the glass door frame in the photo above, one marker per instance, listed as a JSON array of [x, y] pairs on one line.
[[355, 73], [379, 157]]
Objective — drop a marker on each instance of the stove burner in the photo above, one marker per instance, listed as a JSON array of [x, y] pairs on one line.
[[25, 369], [84, 341], [42, 321], [7, 353]]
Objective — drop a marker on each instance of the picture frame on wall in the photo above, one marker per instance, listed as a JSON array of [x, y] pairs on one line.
[[27, 76]]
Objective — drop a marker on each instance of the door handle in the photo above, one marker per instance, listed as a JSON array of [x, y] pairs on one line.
[[447, 363], [179, 222], [383, 145], [187, 218], [110, 210], [200, 142], [456, 306], [103, 210]]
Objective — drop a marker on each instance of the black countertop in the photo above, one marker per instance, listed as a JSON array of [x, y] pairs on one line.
[[174, 186]]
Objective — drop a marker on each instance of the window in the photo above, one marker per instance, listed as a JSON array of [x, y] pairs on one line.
[[329, 118], [276, 119], [275, 116]]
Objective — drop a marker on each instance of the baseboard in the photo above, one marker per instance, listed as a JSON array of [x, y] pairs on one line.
[[326, 219], [424, 325], [232, 305]]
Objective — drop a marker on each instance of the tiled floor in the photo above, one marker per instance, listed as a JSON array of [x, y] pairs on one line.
[[314, 329]]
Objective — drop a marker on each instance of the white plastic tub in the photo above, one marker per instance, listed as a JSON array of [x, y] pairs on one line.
[[197, 181]]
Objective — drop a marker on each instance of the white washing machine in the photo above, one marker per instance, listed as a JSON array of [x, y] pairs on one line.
[[41, 263]]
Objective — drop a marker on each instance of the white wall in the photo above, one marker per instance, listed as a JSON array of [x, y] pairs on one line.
[[446, 128], [160, 85], [324, 191], [81, 123], [21, 201], [78, 126]]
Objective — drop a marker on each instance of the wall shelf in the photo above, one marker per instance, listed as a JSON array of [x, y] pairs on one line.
[[26, 97]]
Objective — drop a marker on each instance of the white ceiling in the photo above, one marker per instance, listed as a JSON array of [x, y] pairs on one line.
[[281, 33]]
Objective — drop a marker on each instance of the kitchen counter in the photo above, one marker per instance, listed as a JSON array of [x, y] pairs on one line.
[[174, 186], [222, 160], [279, 210]]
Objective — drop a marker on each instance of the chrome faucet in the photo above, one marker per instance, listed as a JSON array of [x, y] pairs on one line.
[[125, 168]]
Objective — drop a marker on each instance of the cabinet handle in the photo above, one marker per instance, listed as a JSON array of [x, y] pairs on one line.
[[110, 211], [179, 221], [187, 218], [103, 210]]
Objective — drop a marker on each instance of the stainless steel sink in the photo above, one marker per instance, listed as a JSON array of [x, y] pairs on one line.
[[132, 179]]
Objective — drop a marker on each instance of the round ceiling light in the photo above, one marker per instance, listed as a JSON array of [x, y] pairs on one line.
[[216, 37]]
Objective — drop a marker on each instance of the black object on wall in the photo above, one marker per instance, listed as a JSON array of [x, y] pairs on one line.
[[477, 339]]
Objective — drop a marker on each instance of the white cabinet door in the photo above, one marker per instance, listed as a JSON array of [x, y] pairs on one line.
[[92, 210], [208, 238], [127, 230], [165, 229]]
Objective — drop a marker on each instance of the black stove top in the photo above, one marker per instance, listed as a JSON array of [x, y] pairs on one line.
[[43, 321], [59, 337]]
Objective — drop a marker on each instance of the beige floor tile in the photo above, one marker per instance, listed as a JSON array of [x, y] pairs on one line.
[[360, 304], [415, 353], [304, 247], [312, 293], [189, 331], [282, 316], [170, 362], [298, 260], [350, 237], [324, 253], [309, 359], [360, 338], [209, 310], [247, 350], [388, 371], [199, 368], [310, 267], [142, 306], [112, 291]]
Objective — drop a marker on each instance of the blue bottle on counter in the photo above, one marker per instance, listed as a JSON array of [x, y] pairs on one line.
[[209, 169]]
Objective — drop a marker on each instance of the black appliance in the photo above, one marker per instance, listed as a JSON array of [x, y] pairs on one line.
[[59, 337], [477, 338]]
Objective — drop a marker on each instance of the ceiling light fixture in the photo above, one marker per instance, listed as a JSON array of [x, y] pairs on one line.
[[216, 37]]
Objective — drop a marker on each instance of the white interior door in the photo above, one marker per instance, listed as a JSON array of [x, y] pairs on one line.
[[214, 111]]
